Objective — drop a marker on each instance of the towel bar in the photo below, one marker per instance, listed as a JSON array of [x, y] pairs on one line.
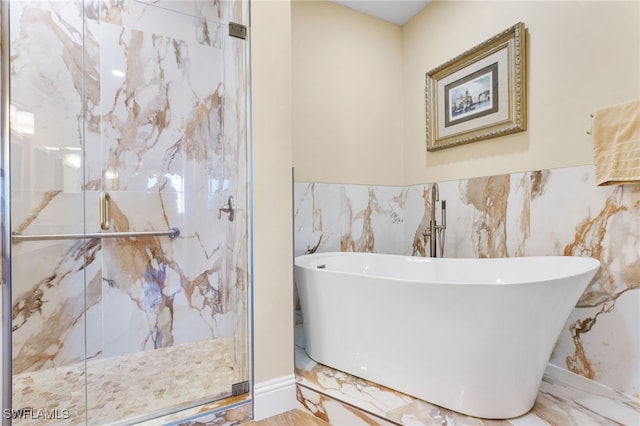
[[172, 233]]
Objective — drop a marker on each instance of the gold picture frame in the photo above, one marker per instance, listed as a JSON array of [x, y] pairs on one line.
[[479, 94]]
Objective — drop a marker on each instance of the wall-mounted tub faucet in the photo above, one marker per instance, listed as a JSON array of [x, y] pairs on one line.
[[435, 232]]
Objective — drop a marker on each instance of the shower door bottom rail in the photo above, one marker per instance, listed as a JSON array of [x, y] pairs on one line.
[[171, 233]]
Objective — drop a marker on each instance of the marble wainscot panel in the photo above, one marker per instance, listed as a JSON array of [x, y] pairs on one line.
[[330, 217], [602, 338], [550, 212], [557, 212], [133, 99], [485, 217]]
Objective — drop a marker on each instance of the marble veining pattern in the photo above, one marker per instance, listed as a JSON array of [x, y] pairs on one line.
[[231, 411], [146, 100], [120, 387], [362, 218], [564, 398], [334, 411], [548, 212]]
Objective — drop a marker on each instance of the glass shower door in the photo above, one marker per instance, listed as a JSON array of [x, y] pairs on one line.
[[50, 298], [129, 117]]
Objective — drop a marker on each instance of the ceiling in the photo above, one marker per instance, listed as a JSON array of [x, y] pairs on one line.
[[398, 12]]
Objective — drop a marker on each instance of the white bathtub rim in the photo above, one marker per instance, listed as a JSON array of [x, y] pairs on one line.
[[589, 264]]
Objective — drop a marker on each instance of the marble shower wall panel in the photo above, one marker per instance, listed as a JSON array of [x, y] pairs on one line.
[[48, 282], [48, 285], [174, 147], [161, 116], [46, 98], [144, 279], [161, 138], [50, 304], [165, 132]]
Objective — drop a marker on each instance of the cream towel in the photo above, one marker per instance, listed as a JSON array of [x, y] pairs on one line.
[[616, 141]]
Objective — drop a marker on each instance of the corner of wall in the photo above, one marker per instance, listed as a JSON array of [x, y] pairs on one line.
[[272, 244]]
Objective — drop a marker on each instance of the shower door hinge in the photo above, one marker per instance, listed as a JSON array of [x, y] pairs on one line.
[[237, 30], [239, 388]]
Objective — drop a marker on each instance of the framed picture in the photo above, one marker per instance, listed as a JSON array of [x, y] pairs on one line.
[[479, 94]]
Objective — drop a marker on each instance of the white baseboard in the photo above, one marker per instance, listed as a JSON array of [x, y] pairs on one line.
[[274, 397]]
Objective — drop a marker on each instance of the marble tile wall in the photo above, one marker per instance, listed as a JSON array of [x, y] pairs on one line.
[[550, 212], [146, 100], [361, 218]]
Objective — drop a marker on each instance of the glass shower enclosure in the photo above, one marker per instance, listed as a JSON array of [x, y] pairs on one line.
[[125, 208]]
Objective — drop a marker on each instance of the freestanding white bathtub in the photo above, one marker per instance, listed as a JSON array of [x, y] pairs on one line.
[[470, 335]]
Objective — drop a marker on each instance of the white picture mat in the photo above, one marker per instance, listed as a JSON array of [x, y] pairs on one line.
[[502, 57]]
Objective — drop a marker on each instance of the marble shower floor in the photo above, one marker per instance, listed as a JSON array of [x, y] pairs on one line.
[[127, 386], [564, 398]]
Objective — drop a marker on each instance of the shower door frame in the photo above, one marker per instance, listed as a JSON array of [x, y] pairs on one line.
[[5, 212], [6, 241]]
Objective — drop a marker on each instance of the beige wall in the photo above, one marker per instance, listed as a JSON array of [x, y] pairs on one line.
[[272, 242], [348, 69], [582, 56], [347, 95]]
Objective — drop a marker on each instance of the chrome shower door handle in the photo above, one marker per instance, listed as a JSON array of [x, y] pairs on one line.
[[229, 208]]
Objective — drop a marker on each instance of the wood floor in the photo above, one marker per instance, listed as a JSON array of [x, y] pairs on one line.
[[290, 418]]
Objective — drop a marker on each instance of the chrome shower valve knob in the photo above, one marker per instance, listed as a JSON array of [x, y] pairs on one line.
[[229, 208]]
